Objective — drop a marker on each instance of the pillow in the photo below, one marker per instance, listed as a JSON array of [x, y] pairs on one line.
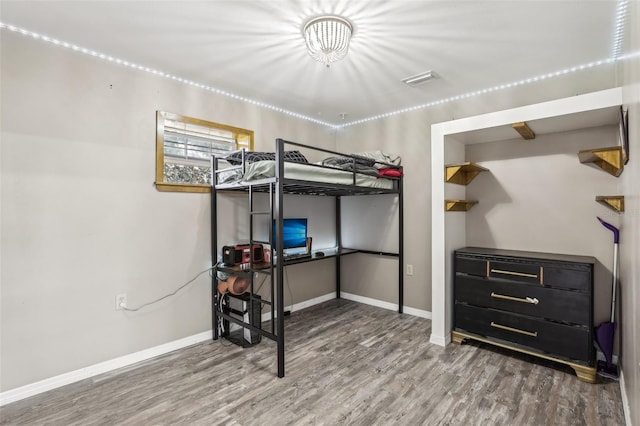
[[295, 157], [346, 161], [253, 156], [250, 157], [390, 172]]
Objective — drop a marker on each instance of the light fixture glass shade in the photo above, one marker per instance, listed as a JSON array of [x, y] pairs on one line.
[[327, 38]]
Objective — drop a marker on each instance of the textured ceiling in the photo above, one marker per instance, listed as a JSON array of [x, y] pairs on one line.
[[255, 49]]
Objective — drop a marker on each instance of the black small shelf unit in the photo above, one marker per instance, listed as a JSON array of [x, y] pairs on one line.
[[277, 187]]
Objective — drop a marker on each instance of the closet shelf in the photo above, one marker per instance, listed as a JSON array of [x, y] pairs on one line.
[[524, 130], [608, 159], [462, 173], [614, 202], [458, 205]]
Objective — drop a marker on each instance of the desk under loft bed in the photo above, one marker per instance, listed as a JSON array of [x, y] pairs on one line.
[[277, 178]]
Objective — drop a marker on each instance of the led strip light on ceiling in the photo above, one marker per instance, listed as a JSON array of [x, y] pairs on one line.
[[488, 90], [621, 19], [158, 73], [621, 16]]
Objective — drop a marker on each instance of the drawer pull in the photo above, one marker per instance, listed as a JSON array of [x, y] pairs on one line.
[[515, 330], [532, 300], [517, 274]]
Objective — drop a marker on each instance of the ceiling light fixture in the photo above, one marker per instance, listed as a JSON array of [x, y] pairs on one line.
[[417, 79], [327, 38]]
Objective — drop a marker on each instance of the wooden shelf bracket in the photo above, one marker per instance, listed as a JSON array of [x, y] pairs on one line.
[[608, 159], [458, 205], [614, 202], [462, 173], [524, 130]]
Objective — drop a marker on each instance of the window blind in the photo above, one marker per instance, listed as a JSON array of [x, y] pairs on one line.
[[192, 145]]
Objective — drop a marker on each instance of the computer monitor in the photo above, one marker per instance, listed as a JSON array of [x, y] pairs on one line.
[[294, 233]]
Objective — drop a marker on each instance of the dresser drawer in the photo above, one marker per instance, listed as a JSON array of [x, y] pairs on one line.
[[477, 267], [577, 277], [529, 299], [566, 341], [523, 272]]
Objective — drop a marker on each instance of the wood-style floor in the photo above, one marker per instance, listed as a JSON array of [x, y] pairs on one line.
[[347, 363]]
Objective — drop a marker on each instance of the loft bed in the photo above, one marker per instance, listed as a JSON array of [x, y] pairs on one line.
[[288, 172]]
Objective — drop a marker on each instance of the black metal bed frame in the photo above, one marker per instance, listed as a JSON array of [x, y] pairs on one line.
[[277, 187]]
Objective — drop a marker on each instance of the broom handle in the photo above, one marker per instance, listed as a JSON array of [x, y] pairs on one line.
[[616, 239], [615, 281]]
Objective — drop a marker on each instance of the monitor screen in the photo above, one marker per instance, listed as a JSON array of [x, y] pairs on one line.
[[294, 233]]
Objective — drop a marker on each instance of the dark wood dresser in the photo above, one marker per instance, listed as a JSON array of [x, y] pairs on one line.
[[537, 303]]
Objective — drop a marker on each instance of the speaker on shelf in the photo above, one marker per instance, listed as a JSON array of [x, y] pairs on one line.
[[241, 253]]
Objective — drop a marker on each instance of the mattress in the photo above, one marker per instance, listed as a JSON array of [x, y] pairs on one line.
[[304, 172]]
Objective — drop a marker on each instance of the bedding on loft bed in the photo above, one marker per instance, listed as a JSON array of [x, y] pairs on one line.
[[372, 169]]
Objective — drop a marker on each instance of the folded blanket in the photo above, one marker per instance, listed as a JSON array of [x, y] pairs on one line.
[[359, 164], [384, 157]]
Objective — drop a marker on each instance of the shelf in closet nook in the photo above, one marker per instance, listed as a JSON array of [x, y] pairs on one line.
[[608, 159], [462, 173], [458, 205], [614, 202]]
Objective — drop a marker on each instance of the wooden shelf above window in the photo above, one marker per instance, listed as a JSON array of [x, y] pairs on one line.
[[462, 173], [458, 205], [608, 159], [614, 202]]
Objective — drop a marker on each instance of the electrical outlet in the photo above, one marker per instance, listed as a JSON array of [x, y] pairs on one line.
[[409, 269], [121, 301]]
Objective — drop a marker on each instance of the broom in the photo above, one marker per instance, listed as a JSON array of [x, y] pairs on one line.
[[606, 331]]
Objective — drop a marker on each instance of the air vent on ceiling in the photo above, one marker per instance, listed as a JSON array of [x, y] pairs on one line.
[[417, 79]]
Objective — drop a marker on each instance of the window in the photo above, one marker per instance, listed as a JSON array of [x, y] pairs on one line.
[[184, 147]]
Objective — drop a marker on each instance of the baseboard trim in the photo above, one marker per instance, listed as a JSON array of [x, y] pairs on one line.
[[32, 389], [314, 301], [439, 340], [386, 305], [417, 312], [625, 400], [303, 305], [45, 385]]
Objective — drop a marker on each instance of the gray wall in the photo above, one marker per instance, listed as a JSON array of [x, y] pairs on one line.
[[630, 227], [538, 197], [82, 221], [409, 135]]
